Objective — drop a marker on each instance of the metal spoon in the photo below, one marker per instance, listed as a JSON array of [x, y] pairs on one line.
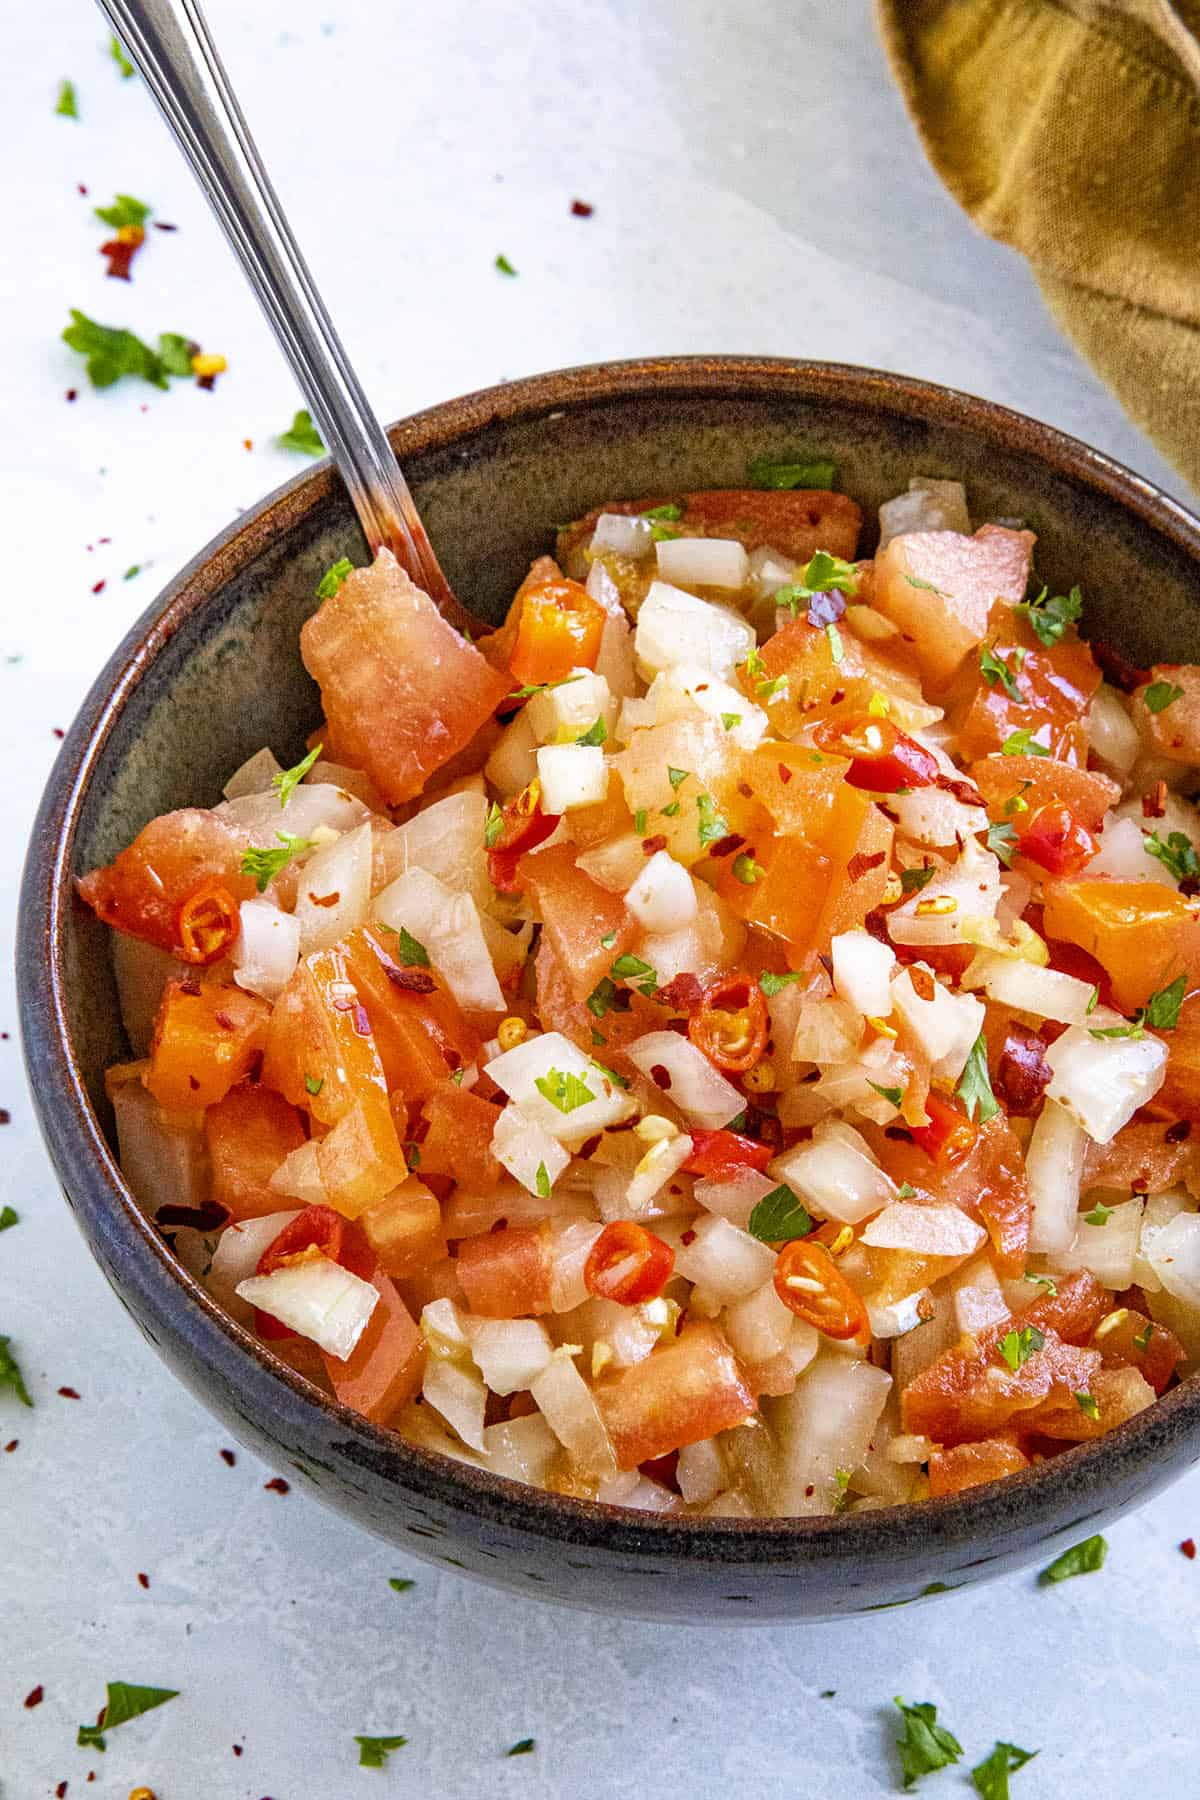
[[169, 43]]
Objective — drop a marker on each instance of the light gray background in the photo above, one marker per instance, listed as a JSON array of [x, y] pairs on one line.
[[756, 188]]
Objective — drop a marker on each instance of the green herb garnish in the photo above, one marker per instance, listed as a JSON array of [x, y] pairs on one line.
[[894, 1095], [1049, 615], [124, 1702], [67, 106], [563, 1089], [1022, 743], [637, 973], [400, 1584], [333, 578], [1081, 1559], [677, 776], [595, 734], [412, 953], [779, 1217], [773, 984], [746, 870], [302, 436], [493, 825], [373, 1752], [523, 1747], [816, 473], [1099, 1215], [730, 720], [313, 1084], [925, 1745], [541, 1181], [8, 1218], [1177, 856], [125, 210], [117, 51], [10, 1373], [1016, 1347], [913, 880], [995, 670], [991, 1775], [289, 779], [505, 267], [711, 827], [110, 352], [263, 865], [1089, 1406], [1000, 842], [1161, 694], [975, 1085]]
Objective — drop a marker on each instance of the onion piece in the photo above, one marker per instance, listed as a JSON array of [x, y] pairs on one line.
[[759, 1325], [529, 1153], [660, 1162], [1160, 1209], [703, 562], [663, 897], [311, 807], [509, 1353], [896, 1318], [334, 891], [975, 1308], [546, 1058], [1029, 988], [935, 818], [622, 534], [973, 883], [836, 1174], [299, 1175], [686, 688], [1111, 733], [236, 1257], [827, 1031], [513, 762], [700, 1471], [929, 505], [565, 1401], [1122, 855], [163, 1159], [564, 712], [254, 776], [1108, 1251], [823, 1426], [317, 1298], [572, 775], [674, 626], [448, 925], [736, 1198], [862, 972], [700, 1092], [1174, 1255], [142, 971], [571, 1245], [1103, 1081], [267, 948], [446, 840], [459, 1395], [615, 863], [925, 1230], [945, 1026], [1054, 1170], [522, 1449], [727, 1263]]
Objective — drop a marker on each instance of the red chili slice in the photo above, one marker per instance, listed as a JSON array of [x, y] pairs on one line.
[[811, 1285], [731, 1024], [882, 757], [949, 1135], [1056, 840], [628, 1264], [208, 923], [719, 1155], [316, 1228], [523, 826]]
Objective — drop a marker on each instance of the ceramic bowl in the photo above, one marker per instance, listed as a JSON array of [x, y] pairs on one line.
[[212, 672]]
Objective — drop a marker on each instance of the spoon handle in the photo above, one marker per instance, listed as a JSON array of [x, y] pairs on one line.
[[169, 42]]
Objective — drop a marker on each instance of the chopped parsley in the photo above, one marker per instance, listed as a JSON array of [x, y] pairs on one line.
[[125, 210], [639, 821], [773, 984], [711, 827], [302, 436], [1043, 1281], [975, 1086], [124, 1702], [814, 472], [131, 571], [925, 1745], [730, 720], [1089, 1406], [836, 647], [542, 687], [522, 1747], [563, 1089], [906, 1191], [746, 870], [779, 1217], [313, 1084], [1177, 856], [822, 575], [913, 880], [1022, 743], [607, 997], [1081, 1559], [1016, 1347], [995, 670], [670, 511], [607, 1074], [1049, 615], [926, 587], [8, 1218], [1099, 1215], [117, 51], [595, 734], [670, 812], [609, 939], [503, 265], [1161, 694], [411, 951], [991, 1775], [677, 777], [894, 1095], [333, 578], [67, 106], [263, 865], [10, 1373], [110, 352], [400, 1584], [373, 1752], [1000, 842], [637, 973], [1142, 1338], [493, 825], [289, 779], [1161, 1011], [541, 1182]]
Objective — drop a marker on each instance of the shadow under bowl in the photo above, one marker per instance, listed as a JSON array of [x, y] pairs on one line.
[[213, 671]]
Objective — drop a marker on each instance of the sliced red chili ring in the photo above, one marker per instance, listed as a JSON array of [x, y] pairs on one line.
[[882, 757], [628, 1264], [208, 923], [731, 1024], [1056, 840], [523, 827], [949, 1135], [811, 1285]]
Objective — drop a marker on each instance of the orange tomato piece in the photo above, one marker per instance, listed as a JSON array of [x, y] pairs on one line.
[[685, 1390], [1055, 686], [972, 1465], [1179, 1096], [1038, 780], [402, 691], [144, 889], [420, 1032], [206, 1040], [559, 626], [576, 913], [1118, 1394], [1146, 1156], [404, 1229], [384, 1370], [939, 587], [1126, 1338], [1144, 935], [455, 1137], [506, 1274], [249, 1133], [1173, 731]]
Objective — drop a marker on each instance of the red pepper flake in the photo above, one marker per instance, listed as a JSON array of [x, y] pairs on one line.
[[1188, 1547], [228, 1457], [1022, 1074], [98, 587], [325, 899], [11, 1446], [1154, 804], [237, 1749], [72, 394], [161, 225], [651, 845], [58, 731], [785, 774], [727, 845], [687, 1237], [876, 924], [80, 188], [660, 1076], [121, 250], [362, 1023], [5, 1116], [415, 981], [1117, 668], [210, 1215], [966, 791], [35, 1696], [247, 443], [580, 209], [860, 865], [224, 1021], [682, 992], [68, 1393], [143, 1580], [60, 1791], [277, 1485]]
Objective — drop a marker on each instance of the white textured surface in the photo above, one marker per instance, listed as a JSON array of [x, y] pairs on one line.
[[756, 189]]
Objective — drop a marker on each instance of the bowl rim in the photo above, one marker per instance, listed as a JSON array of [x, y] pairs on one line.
[[87, 1167]]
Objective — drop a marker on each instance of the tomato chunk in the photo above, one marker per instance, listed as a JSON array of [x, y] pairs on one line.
[[506, 1274], [971, 1465], [1054, 839], [1174, 730], [1128, 1339], [457, 1137], [1026, 783], [939, 586], [682, 1392], [145, 889], [559, 626], [731, 1024], [248, 1135], [404, 1229], [317, 1228], [384, 1370], [628, 1264], [588, 927], [811, 1285], [718, 1155], [1143, 934], [420, 1032], [206, 1040]]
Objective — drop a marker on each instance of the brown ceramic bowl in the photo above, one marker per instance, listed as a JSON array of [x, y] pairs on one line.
[[212, 672]]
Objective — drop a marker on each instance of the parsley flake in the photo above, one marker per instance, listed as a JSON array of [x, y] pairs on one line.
[[1161, 694], [836, 647], [925, 1745], [1177, 856], [639, 821], [779, 1217], [400, 1584], [595, 734], [493, 825], [313, 1084], [607, 997], [670, 812], [926, 587], [1016, 1347], [67, 106], [637, 973], [263, 865], [333, 578], [412, 952], [670, 511], [373, 1752], [110, 352], [772, 984], [117, 51], [503, 265], [541, 1182], [125, 210], [975, 1086], [1089, 1406], [124, 1702], [1099, 1215], [991, 1775], [563, 1089], [10, 1373], [1000, 842], [523, 1747], [730, 720], [302, 436], [1049, 615], [289, 779], [913, 880], [892, 1094], [542, 687], [677, 776], [814, 472], [906, 1191], [1081, 1559], [711, 827], [1022, 743], [8, 1218], [1162, 1008], [995, 670], [1142, 1338]]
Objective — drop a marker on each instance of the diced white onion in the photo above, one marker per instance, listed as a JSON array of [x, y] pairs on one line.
[[311, 807], [513, 762], [1054, 1171], [933, 817], [565, 711], [926, 1230], [622, 534], [700, 1092], [522, 1147], [674, 626], [701, 1471], [459, 1395], [616, 862], [509, 1353], [572, 775], [142, 971], [726, 1262], [1112, 734], [446, 840], [448, 925], [703, 562], [543, 1058], [564, 1399], [1107, 1250], [631, 1489], [973, 883], [836, 1174], [896, 1318], [684, 688], [736, 1198], [299, 1175], [317, 1298], [945, 1026], [862, 972], [769, 570], [654, 1169], [1103, 1081], [977, 1307], [266, 950], [1122, 855], [1174, 1255], [237, 1255], [827, 1031], [1160, 1209], [254, 776], [663, 898], [444, 1326], [927, 506], [571, 1245], [334, 890], [824, 1425], [759, 1325], [163, 1160], [523, 1449], [1028, 988]]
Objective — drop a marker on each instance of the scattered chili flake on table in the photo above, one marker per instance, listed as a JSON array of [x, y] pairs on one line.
[[237, 1749], [11, 1445], [72, 393], [69, 1393], [580, 209], [98, 587], [58, 731], [35, 1696], [60, 1791], [1188, 1547], [162, 225], [227, 1456], [143, 1580], [277, 1486]]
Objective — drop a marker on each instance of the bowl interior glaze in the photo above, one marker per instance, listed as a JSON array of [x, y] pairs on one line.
[[213, 671]]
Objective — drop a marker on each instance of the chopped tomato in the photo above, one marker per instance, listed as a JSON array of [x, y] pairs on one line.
[[1142, 933], [949, 1135], [882, 757], [719, 1155], [811, 1285], [209, 922], [206, 1040], [404, 1229], [1146, 1156], [248, 1134], [1043, 690], [939, 586], [317, 1228], [559, 626], [1128, 1339], [420, 1032], [145, 889], [688, 1389], [1173, 730], [972, 1465], [628, 1264], [457, 1140], [384, 1370], [506, 1274], [523, 826], [1179, 1096], [588, 927], [731, 1024], [1016, 787], [1114, 1396], [1054, 839], [401, 690]]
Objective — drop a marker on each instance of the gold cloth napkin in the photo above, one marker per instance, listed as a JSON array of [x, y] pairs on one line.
[[1070, 129]]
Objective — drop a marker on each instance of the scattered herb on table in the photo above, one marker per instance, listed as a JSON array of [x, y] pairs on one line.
[[925, 1745], [302, 436], [991, 1775], [1081, 1559], [373, 1752], [67, 106], [125, 1701], [10, 1373]]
